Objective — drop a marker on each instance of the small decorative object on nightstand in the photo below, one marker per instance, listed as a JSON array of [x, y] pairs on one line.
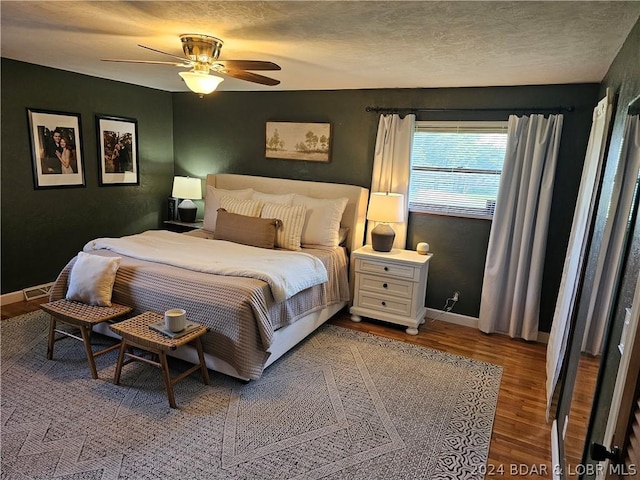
[[390, 286], [172, 209], [422, 248]]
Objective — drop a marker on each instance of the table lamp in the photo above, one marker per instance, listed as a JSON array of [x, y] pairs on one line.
[[188, 189], [385, 208]]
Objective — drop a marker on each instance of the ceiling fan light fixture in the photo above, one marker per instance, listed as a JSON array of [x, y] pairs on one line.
[[201, 83]]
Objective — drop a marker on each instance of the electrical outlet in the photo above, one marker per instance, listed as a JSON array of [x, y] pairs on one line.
[[456, 296]]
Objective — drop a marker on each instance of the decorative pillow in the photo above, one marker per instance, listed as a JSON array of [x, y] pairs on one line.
[[212, 203], [250, 208], [286, 198], [91, 279], [292, 218], [322, 220], [254, 231]]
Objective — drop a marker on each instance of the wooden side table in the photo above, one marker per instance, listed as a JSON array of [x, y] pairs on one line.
[[136, 332], [84, 317]]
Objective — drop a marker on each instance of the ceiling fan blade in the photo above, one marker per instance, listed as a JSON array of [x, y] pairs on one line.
[[248, 65], [184, 64], [164, 53], [251, 77]]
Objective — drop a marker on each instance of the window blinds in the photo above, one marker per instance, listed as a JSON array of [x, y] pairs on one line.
[[456, 167]]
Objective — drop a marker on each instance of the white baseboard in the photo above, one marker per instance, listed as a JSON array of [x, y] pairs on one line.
[[29, 293], [13, 297], [467, 321], [449, 317]]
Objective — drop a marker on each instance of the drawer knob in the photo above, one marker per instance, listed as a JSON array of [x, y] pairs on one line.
[[384, 285], [386, 269], [384, 304]]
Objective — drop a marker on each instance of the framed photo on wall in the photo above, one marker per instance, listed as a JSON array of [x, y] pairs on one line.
[[56, 149], [310, 142], [117, 150]]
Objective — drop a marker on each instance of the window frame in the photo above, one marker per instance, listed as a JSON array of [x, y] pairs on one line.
[[453, 126]]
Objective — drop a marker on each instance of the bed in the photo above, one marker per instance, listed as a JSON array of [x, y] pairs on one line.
[[251, 323]]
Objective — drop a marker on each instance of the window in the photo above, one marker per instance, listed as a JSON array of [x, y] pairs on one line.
[[456, 167]]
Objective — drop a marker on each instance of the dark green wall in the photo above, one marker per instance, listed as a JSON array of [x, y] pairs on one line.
[[43, 229], [224, 132]]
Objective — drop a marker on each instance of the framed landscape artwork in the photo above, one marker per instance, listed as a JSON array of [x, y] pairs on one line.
[[118, 150], [56, 150], [310, 142]]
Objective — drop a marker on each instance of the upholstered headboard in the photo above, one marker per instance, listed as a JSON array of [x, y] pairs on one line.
[[354, 215]]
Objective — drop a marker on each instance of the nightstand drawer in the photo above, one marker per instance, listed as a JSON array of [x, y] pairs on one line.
[[385, 286], [387, 269], [383, 303]]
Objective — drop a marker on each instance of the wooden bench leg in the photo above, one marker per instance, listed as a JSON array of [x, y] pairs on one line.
[[86, 340], [203, 365], [167, 379], [123, 347], [52, 335]]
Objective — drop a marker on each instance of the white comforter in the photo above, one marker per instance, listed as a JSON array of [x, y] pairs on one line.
[[286, 272]]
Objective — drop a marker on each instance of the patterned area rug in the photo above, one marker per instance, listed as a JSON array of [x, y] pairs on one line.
[[342, 405]]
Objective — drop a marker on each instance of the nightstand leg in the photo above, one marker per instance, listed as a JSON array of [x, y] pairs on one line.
[[412, 330], [355, 318]]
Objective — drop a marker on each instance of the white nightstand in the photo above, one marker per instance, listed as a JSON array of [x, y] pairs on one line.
[[390, 286]]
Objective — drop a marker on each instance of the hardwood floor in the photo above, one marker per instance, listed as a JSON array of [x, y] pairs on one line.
[[520, 443], [521, 439]]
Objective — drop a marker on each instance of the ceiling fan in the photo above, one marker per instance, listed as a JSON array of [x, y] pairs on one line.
[[201, 56]]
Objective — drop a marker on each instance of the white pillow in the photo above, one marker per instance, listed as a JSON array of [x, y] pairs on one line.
[[322, 222], [249, 208], [212, 203], [292, 218], [92, 278], [286, 199]]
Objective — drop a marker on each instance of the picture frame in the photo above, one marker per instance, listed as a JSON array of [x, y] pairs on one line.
[[310, 142], [117, 150], [56, 149]]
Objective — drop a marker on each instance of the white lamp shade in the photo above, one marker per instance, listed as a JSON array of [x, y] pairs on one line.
[[201, 83], [186, 187], [386, 207]]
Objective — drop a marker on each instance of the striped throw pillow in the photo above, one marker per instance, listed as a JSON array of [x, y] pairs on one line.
[[248, 207], [292, 218], [212, 203]]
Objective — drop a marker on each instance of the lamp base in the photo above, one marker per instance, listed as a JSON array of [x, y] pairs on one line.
[[382, 237], [188, 211]]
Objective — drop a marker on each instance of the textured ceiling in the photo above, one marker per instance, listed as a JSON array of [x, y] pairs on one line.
[[330, 45]]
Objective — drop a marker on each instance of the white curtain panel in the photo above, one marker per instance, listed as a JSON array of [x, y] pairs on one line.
[[576, 249], [391, 166], [512, 282], [613, 241]]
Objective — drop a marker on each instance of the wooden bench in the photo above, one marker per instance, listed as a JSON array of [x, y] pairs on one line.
[[136, 332], [84, 317]]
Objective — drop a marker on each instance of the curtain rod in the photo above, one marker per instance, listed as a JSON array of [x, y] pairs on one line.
[[559, 109]]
